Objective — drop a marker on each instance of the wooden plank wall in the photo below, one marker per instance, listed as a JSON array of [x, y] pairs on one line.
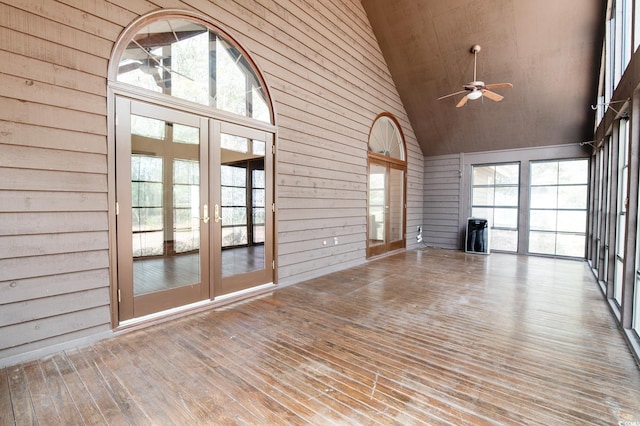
[[442, 196], [327, 77]]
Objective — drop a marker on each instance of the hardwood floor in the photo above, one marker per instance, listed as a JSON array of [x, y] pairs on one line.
[[422, 337]]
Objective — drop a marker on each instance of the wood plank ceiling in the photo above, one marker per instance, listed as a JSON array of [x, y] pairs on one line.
[[549, 50]]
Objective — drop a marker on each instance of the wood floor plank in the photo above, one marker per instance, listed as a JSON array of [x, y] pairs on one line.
[[22, 410], [86, 407], [6, 411], [62, 401], [41, 397], [96, 387], [421, 337]]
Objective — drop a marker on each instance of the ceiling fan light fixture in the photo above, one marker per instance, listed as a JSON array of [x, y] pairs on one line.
[[474, 94]]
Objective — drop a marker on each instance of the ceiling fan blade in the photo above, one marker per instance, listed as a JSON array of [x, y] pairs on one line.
[[451, 94], [462, 102], [123, 69], [493, 96], [498, 86]]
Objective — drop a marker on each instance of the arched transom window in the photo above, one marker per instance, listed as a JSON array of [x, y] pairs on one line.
[[386, 139], [189, 60]]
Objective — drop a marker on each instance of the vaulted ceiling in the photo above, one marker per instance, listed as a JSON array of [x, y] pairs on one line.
[[550, 50]]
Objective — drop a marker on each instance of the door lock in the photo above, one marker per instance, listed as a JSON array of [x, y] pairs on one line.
[[205, 214], [216, 214]]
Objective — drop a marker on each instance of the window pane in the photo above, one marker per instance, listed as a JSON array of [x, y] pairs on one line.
[[505, 218], [544, 197], [572, 221], [542, 242], [544, 173], [234, 236], [146, 194], [574, 172], [543, 220], [484, 213], [234, 216], [507, 174], [233, 197], [572, 197], [148, 127], [258, 198], [234, 143], [146, 219], [233, 176], [483, 196], [186, 134], [258, 147], [146, 168], [148, 244], [570, 245], [505, 240], [484, 175], [506, 196], [186, 240]]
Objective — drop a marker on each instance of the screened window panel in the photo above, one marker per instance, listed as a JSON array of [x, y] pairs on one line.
[[542, 242], [544, 197], [572, 221], [483, 175], [505, 217], [506, 239], [483, 196], [558, 203], [544, 173], [572, 197], [543, 220], [506, 196], [507, 174], [570, 245], [495, 197]]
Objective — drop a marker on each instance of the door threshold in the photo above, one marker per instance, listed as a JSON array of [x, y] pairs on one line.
[[192, 308]]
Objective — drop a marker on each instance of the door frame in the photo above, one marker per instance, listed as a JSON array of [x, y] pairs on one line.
[[389, 163], [120, 90]]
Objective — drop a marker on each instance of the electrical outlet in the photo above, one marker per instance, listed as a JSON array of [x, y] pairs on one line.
[[335, 241]]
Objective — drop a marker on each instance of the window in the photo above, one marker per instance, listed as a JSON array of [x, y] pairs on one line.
[[187, 60], [494, 196], [621, 223], [558, 207]]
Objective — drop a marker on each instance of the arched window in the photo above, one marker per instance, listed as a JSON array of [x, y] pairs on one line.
[[387, 187], [386, 139], [188, 59]]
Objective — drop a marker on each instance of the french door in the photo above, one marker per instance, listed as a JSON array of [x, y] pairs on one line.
[[386, 206], [194, 214]]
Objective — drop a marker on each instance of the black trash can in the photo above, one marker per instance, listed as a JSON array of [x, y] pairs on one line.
[[477, 238]]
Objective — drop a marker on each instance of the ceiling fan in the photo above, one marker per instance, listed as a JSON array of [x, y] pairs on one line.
[[151, 64], [477, 89]]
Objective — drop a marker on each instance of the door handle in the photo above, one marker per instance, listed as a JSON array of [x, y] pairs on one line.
[[216, 216], [205, 214]]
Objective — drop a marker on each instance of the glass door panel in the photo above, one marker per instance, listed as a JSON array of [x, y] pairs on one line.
[[396, 205], [377, 204], [160, 261], [244, 259]]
